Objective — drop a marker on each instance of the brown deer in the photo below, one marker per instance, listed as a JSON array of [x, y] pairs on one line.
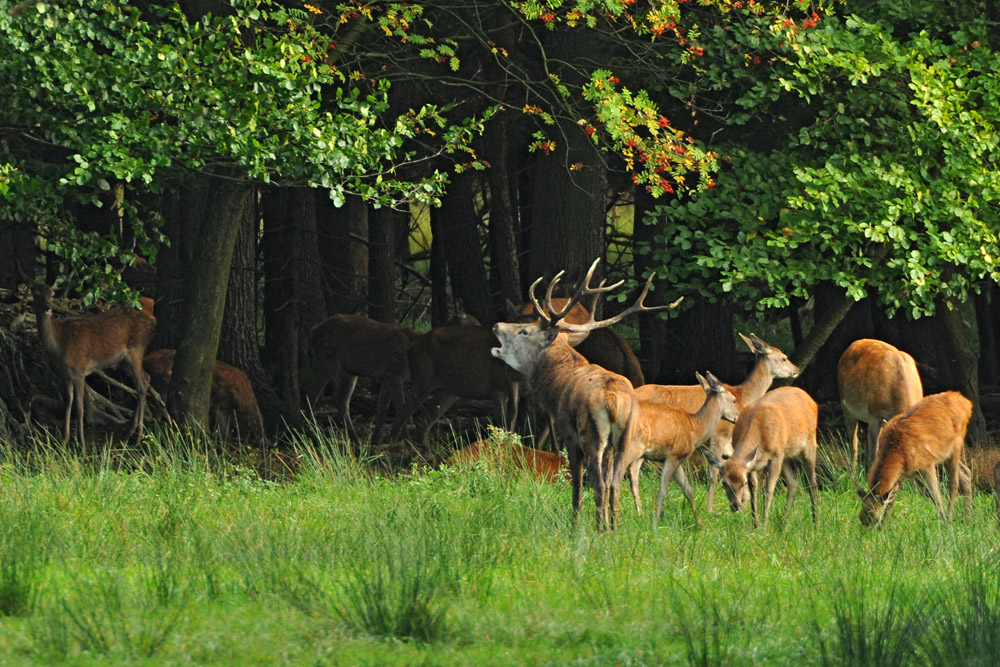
[[547, 466], [670, 434], [932, 432], [232, 403], [345, 347], [876, 382], [79, 346], [452, 362], [769, 363], [777, 432], [595, 410]]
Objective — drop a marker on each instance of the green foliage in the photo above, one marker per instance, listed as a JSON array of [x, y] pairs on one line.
[[883, 183], [104, 93]]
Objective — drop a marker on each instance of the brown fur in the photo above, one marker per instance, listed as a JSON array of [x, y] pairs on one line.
[[876, 382], [773, 432], [233, 404], [931, 433], [547, 466], [670, 434], [453, 362], [79, 346], [345, 347], [769, 363]]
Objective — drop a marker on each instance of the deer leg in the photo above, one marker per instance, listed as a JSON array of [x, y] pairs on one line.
[[412, 405], [596, 476], [345, 389], [443, 401], [954, 469], [752, 483], [141, 385], [616, 487], [874, 427], [69, 410], [890, 500], [932, 483], [813, 487], [791, 472], [669, 465], [682, 481], [573, 453], [633, 475], [773, 473], [79, 386], [852, 433], [512, 400]]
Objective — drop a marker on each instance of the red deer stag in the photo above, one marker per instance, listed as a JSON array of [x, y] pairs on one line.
[[452, 362], [232, 403], [876, 382], [595, 410], [670, 434], [345, 347], [931, 433], [769, 363], [777, 432], [79, 346]]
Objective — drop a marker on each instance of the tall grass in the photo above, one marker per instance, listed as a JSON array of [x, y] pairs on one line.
[[187, 552]]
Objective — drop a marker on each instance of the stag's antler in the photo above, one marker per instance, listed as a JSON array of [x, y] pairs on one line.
[[552, 317]]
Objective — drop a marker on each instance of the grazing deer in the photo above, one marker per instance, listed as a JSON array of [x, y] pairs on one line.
[[769, 363], [876, 382], [777, 431], [932, 432], [452, 362], [345, 347], [594, 409], [79, 346], [232, 403], [670, 434]]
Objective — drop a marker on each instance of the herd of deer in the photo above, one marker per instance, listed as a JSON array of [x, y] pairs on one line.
[[593, 395]]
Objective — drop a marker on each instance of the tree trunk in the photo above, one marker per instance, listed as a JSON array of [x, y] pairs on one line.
[[343, 236], [654, 351], [820, 377], [293, 300], [182, 211], [505, 278], [239, 343], [958, 365], [463, 248], [383, 226], [439, 272], [208, 278], [823, 327], [989, 367]]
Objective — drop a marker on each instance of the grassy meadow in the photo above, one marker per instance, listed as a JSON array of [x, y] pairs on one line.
[[187, 556]]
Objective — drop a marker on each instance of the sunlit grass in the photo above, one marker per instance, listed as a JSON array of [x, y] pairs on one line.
[[185, 553]]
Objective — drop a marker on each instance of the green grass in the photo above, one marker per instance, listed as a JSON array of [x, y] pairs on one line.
[[186, 555]]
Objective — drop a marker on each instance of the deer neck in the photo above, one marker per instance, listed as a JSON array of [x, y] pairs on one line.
[[706, 420], [884, 476], [47, 328], [550, 374], [756, 383]]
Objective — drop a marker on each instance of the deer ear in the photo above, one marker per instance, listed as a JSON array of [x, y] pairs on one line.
[[552, 333], [861, 492], [702, 381], [748, 342], [512, 311], [710, 457]]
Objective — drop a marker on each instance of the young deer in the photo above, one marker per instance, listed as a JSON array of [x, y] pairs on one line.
[[547, 466], [876, 382], [79, 346], [769, 363], [453, 362], [595, 410], [778, 431], [233, 404], [345, 347], [670, 434], [931, 433]]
